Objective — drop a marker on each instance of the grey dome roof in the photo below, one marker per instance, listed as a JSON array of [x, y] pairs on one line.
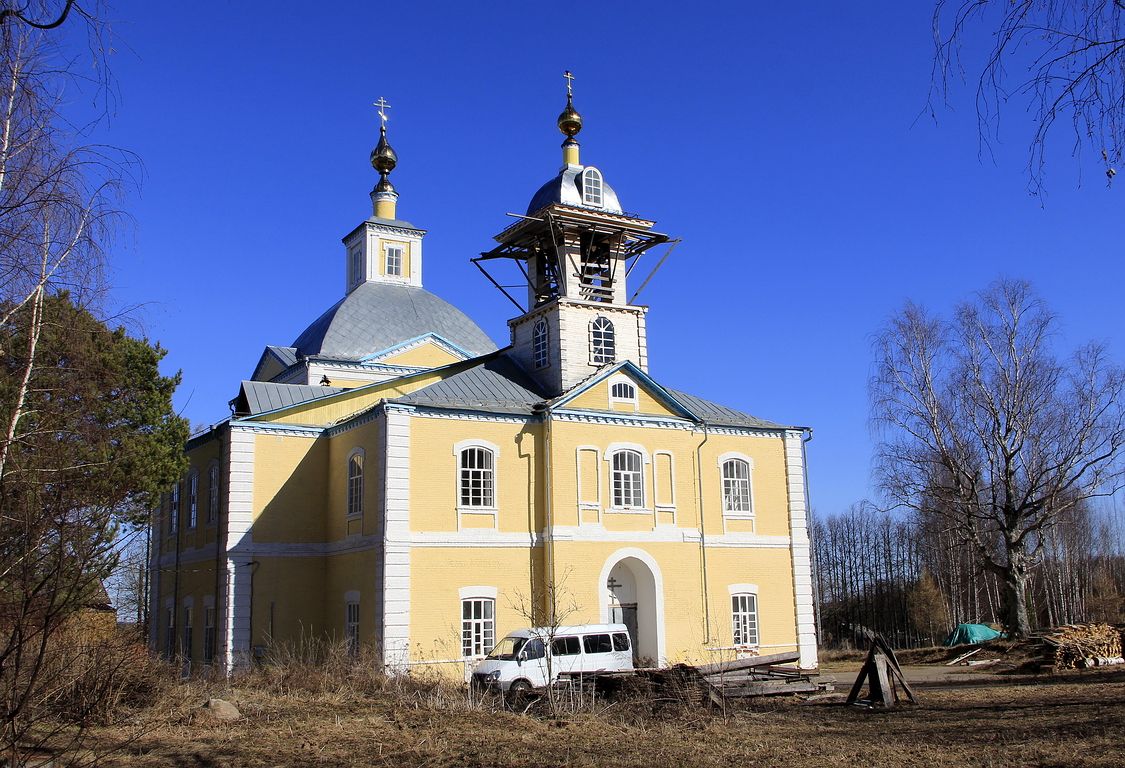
[[565, 189], [377, 316]]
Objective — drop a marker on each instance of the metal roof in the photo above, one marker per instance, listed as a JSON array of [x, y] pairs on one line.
[[565, 189], [495, 384], [376, 316], [262, 396], [720, 415]]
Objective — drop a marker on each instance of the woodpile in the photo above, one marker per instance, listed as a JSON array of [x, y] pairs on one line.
[[1081, 645], [770, 675]]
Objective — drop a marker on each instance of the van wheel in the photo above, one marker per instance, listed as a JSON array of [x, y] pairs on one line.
[[518, 694]]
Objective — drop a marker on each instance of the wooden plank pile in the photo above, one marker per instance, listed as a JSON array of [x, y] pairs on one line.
[[770, 675], [1080, 645]]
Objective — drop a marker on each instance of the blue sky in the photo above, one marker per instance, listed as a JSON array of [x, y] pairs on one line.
[[781, 142]]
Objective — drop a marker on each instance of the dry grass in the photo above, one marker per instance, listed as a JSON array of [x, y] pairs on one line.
[[1074, 720]]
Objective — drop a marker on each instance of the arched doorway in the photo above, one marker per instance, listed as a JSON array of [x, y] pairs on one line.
[[632, 593]]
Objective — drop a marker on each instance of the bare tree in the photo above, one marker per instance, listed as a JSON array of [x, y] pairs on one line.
[[981, 423], [1063, 59]]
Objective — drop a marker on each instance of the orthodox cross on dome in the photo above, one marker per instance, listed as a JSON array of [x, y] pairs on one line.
[[569, 82], [383, 106]]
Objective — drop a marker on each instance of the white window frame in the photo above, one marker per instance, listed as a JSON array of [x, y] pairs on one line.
[[492, 509], [353, 497], [186, 641], [745, 618], [623, 381], [645, 492], [478, 633], [213, 493], [603, 341], [351, 622], [593, 188], [736, 514], [193, 499], [540, 344], [400, 270]]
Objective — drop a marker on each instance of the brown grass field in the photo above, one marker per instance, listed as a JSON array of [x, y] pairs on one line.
[[1073, 719]]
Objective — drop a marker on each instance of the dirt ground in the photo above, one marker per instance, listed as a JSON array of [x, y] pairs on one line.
[[964, 718]]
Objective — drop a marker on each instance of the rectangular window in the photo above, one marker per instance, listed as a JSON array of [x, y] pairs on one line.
[[597, 644], [170, 634], [213, 493], [186, 650], [478, 626], [174, 511], [357, 275], [744, 613], [351, 628], [620, 641], [393, 255], [566, 646], [193, 499], [208, 635]]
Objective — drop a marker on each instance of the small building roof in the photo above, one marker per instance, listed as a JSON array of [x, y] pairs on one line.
[[260, 396], [566, 189], [496, 383]]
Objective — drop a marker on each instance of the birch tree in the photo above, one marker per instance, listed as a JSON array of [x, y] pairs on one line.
[[981, 423]]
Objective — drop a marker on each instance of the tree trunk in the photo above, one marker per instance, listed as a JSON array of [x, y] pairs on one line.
[[1014, 598]]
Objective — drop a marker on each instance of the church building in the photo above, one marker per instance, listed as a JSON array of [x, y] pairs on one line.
[[395, 482]]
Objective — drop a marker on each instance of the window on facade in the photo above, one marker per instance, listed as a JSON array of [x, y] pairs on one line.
[[213, 493], [623, 391], [208, 635], [356, 266], [478, 487], [744, 617], [540, 342], [351, 627], [478, 626], [170, 634], [174, 510], [603, 347], [186, 650], [355, 486], [628, 479], [393, 255], [592, 187], [736, 486], [193, 500]]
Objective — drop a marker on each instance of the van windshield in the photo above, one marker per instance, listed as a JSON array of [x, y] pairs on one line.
[[506, 649]]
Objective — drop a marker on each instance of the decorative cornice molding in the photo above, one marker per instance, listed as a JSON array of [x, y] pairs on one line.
[[276, 428], [461, 414]]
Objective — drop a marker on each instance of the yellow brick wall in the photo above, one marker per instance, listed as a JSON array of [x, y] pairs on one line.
[[290, 485], [426, 355]]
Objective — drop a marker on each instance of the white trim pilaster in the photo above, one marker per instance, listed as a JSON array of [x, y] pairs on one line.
[[799, 548], [235, 648], [396, 542]]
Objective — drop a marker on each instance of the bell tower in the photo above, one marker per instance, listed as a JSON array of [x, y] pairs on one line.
[[576, 248]]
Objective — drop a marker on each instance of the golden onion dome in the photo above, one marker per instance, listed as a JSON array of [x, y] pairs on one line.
[[570, 122], [383, 157]]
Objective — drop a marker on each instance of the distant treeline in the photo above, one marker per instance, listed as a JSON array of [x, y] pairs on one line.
[[913, 581]]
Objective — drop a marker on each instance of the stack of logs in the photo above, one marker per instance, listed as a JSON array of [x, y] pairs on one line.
[[772, 675], [1081, 645]]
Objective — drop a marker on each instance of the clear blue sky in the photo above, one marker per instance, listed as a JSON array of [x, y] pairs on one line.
[[780, 141]]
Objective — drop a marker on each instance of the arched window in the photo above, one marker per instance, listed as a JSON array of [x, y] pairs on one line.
[[540, 343], [213, 493], [355, 485], [736, 487], [592, 187], [628, 479], [603, 348], [477, 474], [744, 618], [621, 391]]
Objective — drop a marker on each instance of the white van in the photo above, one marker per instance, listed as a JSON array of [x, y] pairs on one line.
[[521, 660]]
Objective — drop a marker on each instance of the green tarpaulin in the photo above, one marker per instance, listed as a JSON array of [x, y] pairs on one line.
[[971, 634]]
